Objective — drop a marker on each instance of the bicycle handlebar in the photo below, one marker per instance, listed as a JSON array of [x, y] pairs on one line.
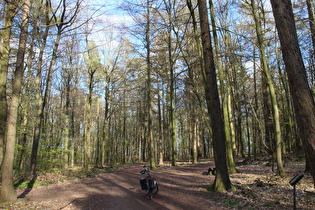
[[145, 171]]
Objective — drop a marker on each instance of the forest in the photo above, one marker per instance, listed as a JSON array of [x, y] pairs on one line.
[[111, 82]]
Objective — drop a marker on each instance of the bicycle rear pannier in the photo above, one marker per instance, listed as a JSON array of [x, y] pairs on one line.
[[143, 184]]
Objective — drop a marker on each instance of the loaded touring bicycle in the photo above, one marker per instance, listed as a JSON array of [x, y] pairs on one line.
[[148, 183]]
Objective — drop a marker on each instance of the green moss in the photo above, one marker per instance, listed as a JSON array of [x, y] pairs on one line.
[[232, 203]]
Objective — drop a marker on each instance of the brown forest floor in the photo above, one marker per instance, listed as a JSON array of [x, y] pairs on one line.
[[181, 187]]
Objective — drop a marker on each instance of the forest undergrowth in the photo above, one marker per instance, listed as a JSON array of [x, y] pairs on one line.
[[257, 186]]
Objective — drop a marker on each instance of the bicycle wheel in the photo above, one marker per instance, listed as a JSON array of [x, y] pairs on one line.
[[149, 190], [155, 189], [149, 193]]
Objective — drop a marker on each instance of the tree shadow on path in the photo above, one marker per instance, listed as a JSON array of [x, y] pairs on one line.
[[29, 187]]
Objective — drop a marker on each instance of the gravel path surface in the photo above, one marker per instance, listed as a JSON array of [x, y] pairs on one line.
[[180, 187]]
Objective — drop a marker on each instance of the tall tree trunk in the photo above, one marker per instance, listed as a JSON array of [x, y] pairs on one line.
[[222, 180], [23, 141], [87, 139], [194, 125], [25, 98], [171, 61], [225, 94], [5, 36], [106, 117], [66, 152], [149, 132], [275, 109], [161, 134], [93, 64], [256, 124], [311, 17], [192, 78], [39, 102], [7, 190], [191, 72], [303, 100]]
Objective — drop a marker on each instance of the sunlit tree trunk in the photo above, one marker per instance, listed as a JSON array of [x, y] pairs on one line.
[[106, 118], [23, 141], [272, 91], [7, 190], [5, 36], [161, 129], [92, 62], [194, 125], [258, 135], [87, 124], [108, 71], [25, 98], [66, 153]]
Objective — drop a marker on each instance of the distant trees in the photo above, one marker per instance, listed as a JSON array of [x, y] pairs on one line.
[[61, 20]]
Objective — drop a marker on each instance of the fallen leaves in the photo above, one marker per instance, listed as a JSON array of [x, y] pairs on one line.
[[257, 186]]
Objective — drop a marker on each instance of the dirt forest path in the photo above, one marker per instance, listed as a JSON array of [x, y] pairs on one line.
[[180, 187]]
